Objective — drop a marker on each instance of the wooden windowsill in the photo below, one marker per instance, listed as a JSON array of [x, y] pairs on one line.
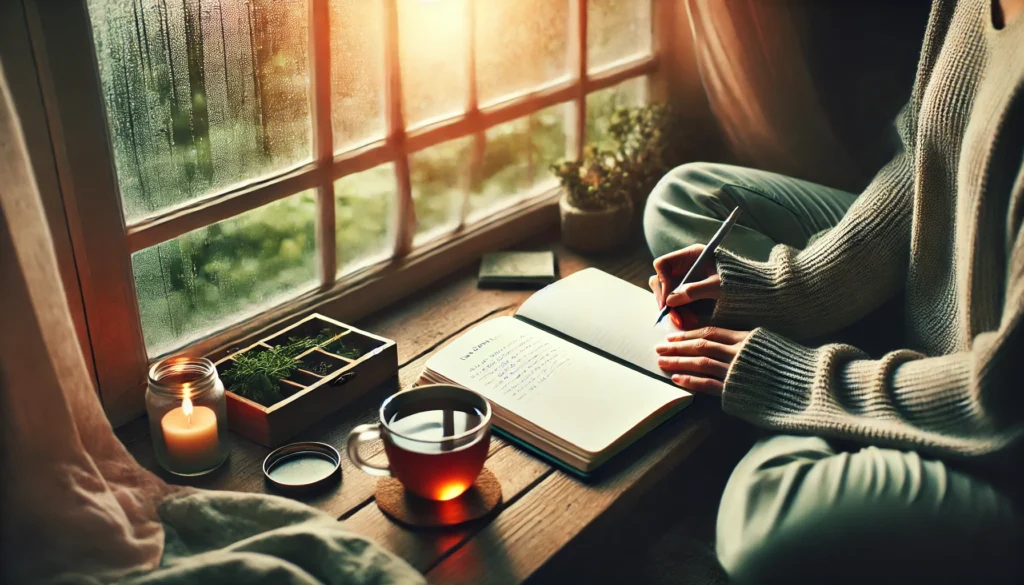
[[557, 507]]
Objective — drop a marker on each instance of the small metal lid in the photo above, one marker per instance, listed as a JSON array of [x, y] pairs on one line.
[[302, 468]]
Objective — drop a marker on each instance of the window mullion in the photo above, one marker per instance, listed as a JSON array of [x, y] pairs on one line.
[[406, 210], [323, 136], [578, 60], [472, 173]]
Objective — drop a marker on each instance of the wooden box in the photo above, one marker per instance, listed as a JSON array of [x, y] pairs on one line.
[[332, 374]]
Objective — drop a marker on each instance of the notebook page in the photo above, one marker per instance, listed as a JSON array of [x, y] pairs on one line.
[[577, 396], [605, 312]]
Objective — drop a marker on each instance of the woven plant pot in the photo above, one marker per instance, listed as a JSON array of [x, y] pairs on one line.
[[594, 231]]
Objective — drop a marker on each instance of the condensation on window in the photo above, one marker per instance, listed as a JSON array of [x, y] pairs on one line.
[[201, 95], [357, 72], [617, 30], [432, 38], [216, 276], [516, 160], [601, 104], [440, 179], [521, 44], [364, 215]]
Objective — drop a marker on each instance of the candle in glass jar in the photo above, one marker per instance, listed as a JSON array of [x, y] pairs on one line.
[[190, 434]]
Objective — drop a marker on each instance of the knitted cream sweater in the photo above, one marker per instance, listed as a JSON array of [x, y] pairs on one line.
[[941, 221]]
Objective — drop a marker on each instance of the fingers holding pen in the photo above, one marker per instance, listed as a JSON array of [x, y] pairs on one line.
[[656, 288], [708, 288]]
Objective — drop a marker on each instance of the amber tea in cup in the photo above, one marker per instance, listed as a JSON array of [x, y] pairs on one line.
[[436, 439]]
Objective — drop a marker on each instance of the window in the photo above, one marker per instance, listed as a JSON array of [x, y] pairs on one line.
[[266, 151]]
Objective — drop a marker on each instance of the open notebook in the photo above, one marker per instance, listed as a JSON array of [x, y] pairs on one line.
[[574, 373]]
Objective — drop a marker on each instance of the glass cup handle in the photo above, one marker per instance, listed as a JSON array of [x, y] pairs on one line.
[[358, 436]]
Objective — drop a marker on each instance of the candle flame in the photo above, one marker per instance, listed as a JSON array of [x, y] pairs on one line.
[[186, 405]]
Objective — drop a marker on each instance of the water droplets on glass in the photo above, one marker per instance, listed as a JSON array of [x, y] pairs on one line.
[[616, 30], [357, 72], [213, 277], [364, 215], [432, 38], [439, 176], [601, 104], [521, 44], [201, 96], [516, 160]]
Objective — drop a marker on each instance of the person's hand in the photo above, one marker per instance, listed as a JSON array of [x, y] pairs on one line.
[[699, 359], [670, 269]]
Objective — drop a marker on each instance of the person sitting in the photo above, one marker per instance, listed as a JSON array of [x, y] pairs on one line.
[[905, 467]]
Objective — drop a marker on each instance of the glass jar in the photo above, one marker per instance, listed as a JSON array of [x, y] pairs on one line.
[[188, 415]]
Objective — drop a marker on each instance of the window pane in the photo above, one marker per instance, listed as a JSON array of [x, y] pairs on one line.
[[517, 159], [601, 104], [520, 44], [216, 276], [617, 29], [432, 50], [201, 95], [357, 71], [364, 208], [439, 177]]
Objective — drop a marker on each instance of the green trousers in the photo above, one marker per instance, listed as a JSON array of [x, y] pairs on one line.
[[803, 509]]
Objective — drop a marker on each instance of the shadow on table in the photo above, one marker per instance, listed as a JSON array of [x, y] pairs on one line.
[[668, 536]]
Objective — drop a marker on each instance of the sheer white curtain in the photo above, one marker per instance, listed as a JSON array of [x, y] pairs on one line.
[[76, 507], [74, 501], [761, 91]]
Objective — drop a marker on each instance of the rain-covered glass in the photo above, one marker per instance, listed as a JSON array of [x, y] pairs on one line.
[[617, 30], [201, 95], [216, 276], [516, 160], [440, 178], [521, 44], [364, 217], [357, 72], [601, 104], [432, 41]]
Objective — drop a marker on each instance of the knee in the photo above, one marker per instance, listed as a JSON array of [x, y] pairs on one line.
[[754, 542], [679, 195]]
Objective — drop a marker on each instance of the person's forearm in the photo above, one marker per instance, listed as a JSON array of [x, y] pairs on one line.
[[842, 275], [902, 400], [839, 278]]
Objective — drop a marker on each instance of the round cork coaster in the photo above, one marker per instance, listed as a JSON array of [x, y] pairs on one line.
[[411, 510]]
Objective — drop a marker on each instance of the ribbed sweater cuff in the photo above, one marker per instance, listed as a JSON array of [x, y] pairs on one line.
[[745, 284], [770, 378]]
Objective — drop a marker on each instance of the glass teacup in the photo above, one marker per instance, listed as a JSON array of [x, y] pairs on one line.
[[436, 439]]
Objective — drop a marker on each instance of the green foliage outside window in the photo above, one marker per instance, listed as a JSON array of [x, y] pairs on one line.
[[204, 96]]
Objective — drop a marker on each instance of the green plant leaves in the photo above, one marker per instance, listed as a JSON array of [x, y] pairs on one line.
[[603, 179]]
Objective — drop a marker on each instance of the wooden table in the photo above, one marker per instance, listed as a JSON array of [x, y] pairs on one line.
[[544, 509]]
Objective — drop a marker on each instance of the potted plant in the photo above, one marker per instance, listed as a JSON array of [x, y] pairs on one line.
[[642, 139], [603, 187], [596, 208]]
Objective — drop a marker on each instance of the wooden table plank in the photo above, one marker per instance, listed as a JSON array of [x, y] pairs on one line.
[[533, 529], [517, 472], [243, 470], [539, 501]]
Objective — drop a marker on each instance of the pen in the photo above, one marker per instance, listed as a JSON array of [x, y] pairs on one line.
[[707, 252]]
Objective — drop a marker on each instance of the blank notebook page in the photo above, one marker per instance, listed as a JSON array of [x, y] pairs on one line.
[[605, 312]]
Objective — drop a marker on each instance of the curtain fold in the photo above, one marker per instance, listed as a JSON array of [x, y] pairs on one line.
[[74, 500], [761, 90], [76, 507]]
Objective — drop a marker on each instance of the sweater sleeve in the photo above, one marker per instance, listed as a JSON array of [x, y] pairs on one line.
[[854, 267], [964, 404], [841, 276]]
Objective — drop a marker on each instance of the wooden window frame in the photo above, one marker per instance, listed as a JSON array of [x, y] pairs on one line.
[[102, 244]]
